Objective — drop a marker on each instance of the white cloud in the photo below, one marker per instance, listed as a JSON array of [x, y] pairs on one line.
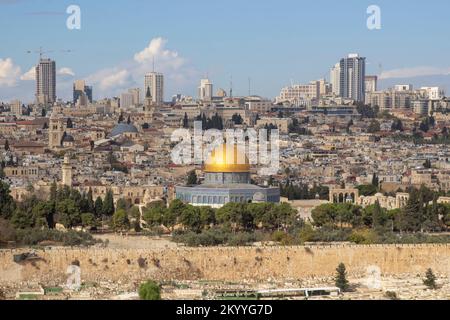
[[112, 81], [414, 72], [65, 72], [163, 58], [29, 75], [109, 80], [9, 73]]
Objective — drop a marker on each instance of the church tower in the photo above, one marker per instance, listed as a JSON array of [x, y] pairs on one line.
[[67, 172], [56, 130]]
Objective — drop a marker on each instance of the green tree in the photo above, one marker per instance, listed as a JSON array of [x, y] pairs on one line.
[[191, 219], [150, 291], [367, 190], [43, 214], [341, 278], [7, 204], [21, 219], [90, 201], [207, 216], [120, 220], [108, 204], [323, 214], [172, 215], [375, 181], [430, 280], [68, 213], [374, 127], [410, 218], [88, 220], [192, 178], [122, 204], [98, 207], [154, 215]]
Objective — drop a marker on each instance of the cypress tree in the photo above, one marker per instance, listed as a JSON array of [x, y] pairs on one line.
[[341, 278], [98, 207], [108, 204]]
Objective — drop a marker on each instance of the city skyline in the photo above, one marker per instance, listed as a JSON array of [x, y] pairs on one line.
[[238, 52]]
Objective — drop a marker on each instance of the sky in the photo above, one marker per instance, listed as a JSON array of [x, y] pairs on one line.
[[272, 43]]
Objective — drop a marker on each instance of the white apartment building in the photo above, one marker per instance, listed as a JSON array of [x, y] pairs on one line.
[[335, 78], [126, 100], [205, 91], [136, 93], [371, 83], [300, 95], [403, 87], [154, 86], [433, 93]]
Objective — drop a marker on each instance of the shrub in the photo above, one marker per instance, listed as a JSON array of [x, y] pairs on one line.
[[150, 290], [363, 236], [7, 232], [430, 280], [341, 278], [391, 295], [32, 237]]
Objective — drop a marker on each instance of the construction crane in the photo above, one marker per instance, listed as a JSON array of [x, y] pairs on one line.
[[42, 52]]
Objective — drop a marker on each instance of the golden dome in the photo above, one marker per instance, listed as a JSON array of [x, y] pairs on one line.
[[221, 161]]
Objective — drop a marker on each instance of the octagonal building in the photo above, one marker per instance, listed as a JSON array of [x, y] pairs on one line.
[[227, 179]]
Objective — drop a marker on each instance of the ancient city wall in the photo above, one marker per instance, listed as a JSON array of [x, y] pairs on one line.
[[230, 264]]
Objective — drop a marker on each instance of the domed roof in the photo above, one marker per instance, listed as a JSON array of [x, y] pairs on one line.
[[68, 138], [228, 159], [122, 128]]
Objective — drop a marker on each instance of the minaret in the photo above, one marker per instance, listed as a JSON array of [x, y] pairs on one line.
[[55, 130], [67, 172]]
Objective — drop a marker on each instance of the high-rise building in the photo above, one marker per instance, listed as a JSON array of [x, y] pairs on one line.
[[335, 79], [352, 79], [136, 93], [154, 87], [16, 108], [81, 93], [371, 83], [205, 91], [126, 100], [46, 81]]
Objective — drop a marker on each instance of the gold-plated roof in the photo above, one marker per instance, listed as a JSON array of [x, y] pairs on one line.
[[228, 159]]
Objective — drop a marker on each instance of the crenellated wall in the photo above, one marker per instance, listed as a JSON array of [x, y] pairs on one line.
[[230, 264]]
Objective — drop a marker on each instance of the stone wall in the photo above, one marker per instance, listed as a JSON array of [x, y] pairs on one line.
[[229, 264]]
